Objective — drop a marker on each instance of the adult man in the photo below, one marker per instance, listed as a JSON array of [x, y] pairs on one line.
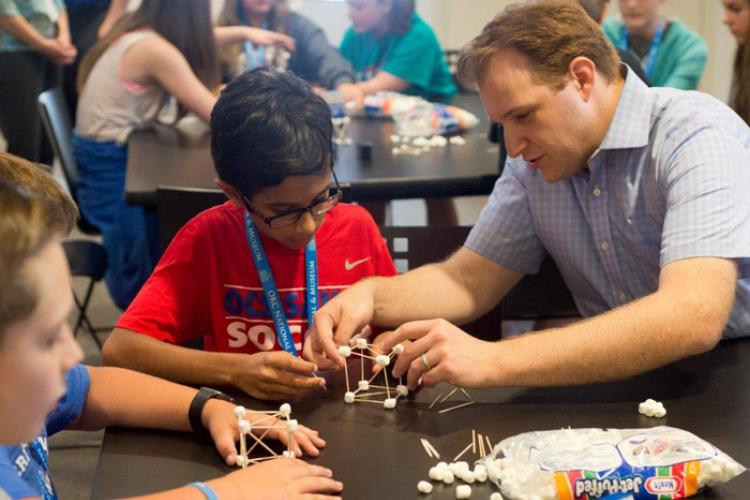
[[639, 194], [671, 54]]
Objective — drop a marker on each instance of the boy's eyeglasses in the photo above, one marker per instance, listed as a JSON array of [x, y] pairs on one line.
[[294, 216]]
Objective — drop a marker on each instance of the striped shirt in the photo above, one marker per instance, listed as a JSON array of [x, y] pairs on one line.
[[670, 181]]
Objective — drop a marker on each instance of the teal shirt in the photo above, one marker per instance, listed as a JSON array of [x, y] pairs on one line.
[[680, 58], [37, 13], [415, 56]]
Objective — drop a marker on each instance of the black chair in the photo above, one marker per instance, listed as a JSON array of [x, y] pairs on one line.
[[176, 206], [86, 258], [539, 296]]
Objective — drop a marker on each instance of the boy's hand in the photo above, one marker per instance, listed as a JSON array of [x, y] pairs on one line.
[[259, 36], [279, 479], [275, 375], [218, 417]]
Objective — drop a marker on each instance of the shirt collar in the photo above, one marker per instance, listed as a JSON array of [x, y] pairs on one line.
[[631, 124]]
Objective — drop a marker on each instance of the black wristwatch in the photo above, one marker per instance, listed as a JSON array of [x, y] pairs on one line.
[[196, 407]]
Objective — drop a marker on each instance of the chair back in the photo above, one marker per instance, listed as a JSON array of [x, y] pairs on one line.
[[175, 206], [57, 124], [539, 296]]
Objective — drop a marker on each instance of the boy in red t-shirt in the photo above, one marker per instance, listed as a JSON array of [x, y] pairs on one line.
[[271, 144]]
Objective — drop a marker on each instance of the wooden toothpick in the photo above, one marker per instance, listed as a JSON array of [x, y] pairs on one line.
[[455, 459], [457, 407]]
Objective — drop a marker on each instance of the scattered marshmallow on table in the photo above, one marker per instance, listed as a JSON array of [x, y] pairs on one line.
[[424, 487], [496, 496], [652, 408], [463, 491]]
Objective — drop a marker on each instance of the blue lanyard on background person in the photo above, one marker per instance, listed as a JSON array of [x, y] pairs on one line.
[[269, 284], [256, 56], [650, 59]]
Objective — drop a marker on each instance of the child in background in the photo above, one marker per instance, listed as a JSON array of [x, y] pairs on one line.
[[44, 390], [314, 60], [271, 144], [392, 48], [737, 18], [165, 47]]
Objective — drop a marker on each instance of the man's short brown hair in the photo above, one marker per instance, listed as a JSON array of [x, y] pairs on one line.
[[39, 182], [549, 33]]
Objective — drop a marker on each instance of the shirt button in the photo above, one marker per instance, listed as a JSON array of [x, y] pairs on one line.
[[604, 246], [597, 191], [623, 297]]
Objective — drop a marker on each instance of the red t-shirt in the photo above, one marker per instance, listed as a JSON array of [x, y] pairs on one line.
[[206, 284]]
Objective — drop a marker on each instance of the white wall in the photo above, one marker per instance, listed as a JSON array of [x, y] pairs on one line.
[[458, 21]]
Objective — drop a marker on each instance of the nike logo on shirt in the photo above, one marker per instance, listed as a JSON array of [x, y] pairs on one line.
[[351, 265]]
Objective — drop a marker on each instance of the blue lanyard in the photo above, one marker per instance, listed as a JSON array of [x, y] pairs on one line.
[[269, 284], [256, 56], [45, 483], [650, 59]]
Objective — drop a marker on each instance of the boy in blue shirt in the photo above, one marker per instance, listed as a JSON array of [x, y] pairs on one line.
[[44, 389]]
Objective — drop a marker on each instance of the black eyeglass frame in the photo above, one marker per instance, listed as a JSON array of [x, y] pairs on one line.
[[337, 195]]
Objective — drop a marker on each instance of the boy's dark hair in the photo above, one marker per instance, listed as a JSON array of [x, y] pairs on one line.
[[267, 126]]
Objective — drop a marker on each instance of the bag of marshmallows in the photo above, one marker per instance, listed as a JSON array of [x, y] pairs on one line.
[[656, 463]]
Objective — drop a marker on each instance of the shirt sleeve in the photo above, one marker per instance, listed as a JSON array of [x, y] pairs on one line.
[[413, 58], [505, 232], [691, 61], [9, 8], [169, 306], [706, 181], [320, 60], [77, 382]]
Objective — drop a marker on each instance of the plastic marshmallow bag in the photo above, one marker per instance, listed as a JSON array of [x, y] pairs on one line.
[[657, 463]]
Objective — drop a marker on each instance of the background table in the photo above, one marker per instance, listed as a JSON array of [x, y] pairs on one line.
[[165, 156], [377, 452]]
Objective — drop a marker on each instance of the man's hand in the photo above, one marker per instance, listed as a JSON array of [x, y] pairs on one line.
[[279, 479], [259, 36], [219, 418], [349, 312], [275, 375], [441, 351]]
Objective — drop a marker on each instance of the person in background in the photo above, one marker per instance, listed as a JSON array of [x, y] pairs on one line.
[[315, 60], [45, 390], [391, 48], [283, 228], [737, 19], [34, 44], [87, 19], [671, 54], [597, 9], [163, 48]]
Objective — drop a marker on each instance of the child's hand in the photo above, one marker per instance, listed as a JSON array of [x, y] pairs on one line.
[[279, 479], [265, 37], [219, 418], [58, 52], [275, 375]]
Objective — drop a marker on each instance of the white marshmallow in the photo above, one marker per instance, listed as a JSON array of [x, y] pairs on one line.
[[389, 403], [242, 460], [345, 351], [448, 477], [363, 385], [287, 454], [402, 390], [463, 491], [285, 410], [398, 349], [496, 496], [424, 487], [244, 426], [480, 471], [239, 411], [395, 138], [349, 397], [361, 343], [382, 360], [436, 474], [292, 425], [457, 140]]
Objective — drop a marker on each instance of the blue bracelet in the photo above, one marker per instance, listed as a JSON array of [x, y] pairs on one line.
[[206, 490]]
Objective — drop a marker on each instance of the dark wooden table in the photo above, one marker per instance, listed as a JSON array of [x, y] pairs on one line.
[[377, 452], [165, 156]]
